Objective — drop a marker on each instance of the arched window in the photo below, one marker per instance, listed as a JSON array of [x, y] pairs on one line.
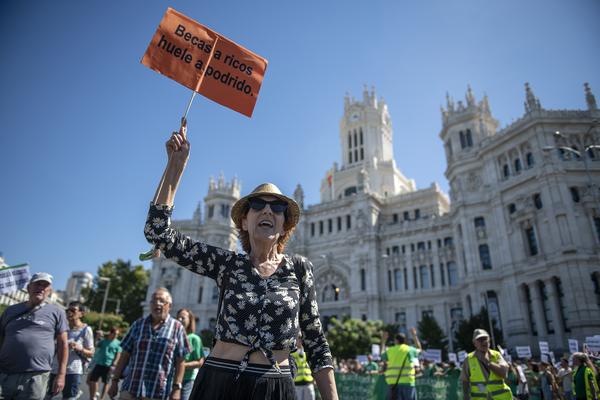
[[469, 138], [493, 307], [361, 136], [532, 323], [215, 295], [350, 191], [397, 280], [546, 306], [363, 279], [452, 273], [484, 256], [463, 142], [596, 283], [561, 302], [505, 171], [469, 305], [537, 201], [330, 293], [424, 273], [479, 222], [529, 160], [531, 238], [518, 165]]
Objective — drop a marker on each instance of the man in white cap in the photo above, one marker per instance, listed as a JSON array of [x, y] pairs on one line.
[[30, 334], [484, 371]]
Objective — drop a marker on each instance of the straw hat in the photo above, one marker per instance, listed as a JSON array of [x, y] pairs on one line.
[[240, 207]]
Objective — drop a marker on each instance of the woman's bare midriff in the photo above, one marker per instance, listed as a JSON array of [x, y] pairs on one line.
[[236, 352]]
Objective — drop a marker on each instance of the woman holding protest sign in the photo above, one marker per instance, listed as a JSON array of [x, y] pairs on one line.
[[266, 296]]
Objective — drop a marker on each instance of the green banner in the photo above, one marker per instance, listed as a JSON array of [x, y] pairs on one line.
[[373, 387]]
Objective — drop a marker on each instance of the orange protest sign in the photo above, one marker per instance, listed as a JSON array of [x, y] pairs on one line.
[[206, 62]]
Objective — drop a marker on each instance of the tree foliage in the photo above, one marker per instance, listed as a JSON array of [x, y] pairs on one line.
[[463, 338], [108, 321], [351, 337], [128, 283], [431, 334]]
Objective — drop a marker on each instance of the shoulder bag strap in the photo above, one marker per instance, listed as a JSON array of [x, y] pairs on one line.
[[402, 367], [18, 315]]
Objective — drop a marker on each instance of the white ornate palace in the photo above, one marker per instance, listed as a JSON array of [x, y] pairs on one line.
[[521, 233]]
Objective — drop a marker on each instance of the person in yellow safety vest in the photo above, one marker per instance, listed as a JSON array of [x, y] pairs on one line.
[[401, 362], [303, 381], [484, 371], [585, 386]]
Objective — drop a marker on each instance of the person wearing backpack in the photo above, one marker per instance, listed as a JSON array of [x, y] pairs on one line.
[[81, 349]]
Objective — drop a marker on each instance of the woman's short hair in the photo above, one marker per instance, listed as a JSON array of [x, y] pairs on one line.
[[191, 328], [288, 227]]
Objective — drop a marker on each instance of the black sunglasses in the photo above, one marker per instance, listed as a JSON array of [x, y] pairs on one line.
[[277, 206]]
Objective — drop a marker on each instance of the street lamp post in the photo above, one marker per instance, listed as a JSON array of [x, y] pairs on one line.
[[107, 280], [580, 154]]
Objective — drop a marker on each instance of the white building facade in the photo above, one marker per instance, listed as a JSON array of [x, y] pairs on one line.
[[75, 284], [520, 231]]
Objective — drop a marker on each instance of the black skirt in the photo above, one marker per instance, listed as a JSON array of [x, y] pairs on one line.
[[216, 380]]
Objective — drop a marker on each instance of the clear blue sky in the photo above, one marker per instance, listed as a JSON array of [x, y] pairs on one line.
[[83, 122]]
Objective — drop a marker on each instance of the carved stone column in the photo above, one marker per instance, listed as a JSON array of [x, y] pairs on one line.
[[538, 310], [559, 327]]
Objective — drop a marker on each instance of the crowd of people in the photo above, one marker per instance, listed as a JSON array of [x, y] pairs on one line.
[[575, 376], [45, 352], [269, 340]]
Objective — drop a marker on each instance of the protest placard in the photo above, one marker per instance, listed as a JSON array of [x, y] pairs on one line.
[[462, 355], [573, 346], [14, 278], [593, 343], [434, 355], [362, 359], [452, 357], [523, 351], [205, 61], [544, 347], [375, 351]]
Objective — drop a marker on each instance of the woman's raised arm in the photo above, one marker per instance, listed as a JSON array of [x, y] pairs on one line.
[[178, 152]]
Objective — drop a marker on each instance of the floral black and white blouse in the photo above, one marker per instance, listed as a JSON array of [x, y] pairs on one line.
[[262, 313]]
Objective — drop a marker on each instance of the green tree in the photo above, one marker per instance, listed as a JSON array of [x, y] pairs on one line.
[[128, 283], [93, 318], [463, 338], [352, 337], [431, 334]]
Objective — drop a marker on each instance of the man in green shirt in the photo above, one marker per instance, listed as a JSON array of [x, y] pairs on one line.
[[106, 356], [371, 368]]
